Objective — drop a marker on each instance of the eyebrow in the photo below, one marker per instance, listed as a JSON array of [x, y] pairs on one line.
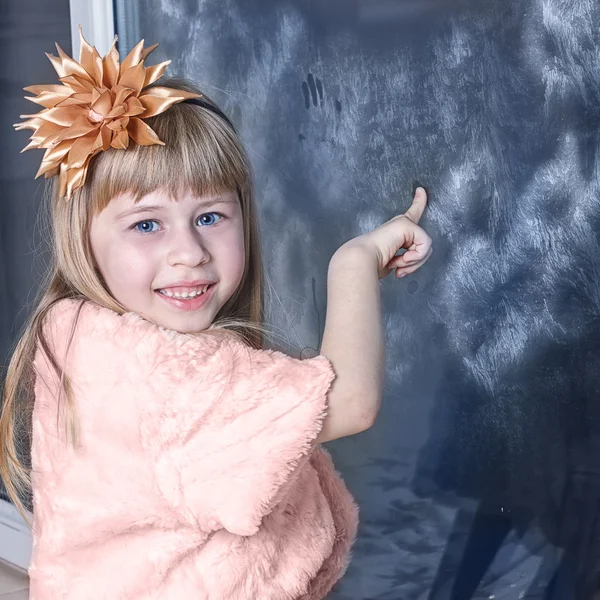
[[157, 208]]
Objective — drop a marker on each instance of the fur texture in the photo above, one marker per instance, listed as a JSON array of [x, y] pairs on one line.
[[196, 476]]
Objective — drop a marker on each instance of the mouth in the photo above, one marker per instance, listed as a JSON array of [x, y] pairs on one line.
[[187, 297], [185, 293]]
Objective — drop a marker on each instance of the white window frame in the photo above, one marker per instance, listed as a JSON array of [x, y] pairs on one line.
[[15, 537], [97, 20]]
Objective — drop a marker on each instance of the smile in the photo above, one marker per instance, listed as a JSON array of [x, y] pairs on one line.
[[188, 293], [187, 299]]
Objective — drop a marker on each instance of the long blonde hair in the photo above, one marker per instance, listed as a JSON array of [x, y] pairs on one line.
[[202, 154]]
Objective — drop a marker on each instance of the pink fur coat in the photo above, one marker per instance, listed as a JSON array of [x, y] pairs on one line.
[[196, 475]]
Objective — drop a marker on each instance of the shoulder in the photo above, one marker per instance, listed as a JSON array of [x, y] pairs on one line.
[[73, 315]]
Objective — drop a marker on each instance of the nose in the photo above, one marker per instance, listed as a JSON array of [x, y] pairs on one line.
[[187, 248]]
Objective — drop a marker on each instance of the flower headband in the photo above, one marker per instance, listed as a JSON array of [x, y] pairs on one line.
[[101, 104]]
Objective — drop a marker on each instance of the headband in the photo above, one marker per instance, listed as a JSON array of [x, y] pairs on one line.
[[212, 108], [101, 104]]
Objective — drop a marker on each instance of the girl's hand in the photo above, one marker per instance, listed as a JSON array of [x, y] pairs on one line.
[[401, 232]]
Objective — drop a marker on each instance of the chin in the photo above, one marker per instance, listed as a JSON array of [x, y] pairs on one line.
[[188, 325], [192, 330], [184, 324]]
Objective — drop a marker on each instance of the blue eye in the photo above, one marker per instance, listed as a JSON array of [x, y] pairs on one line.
[[208, 219], [145, 226]]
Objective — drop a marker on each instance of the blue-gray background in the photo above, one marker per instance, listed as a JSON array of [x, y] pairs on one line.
[[482, 470], [488, 423]]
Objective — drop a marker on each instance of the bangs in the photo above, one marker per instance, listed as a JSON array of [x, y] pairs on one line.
[[201, 154]]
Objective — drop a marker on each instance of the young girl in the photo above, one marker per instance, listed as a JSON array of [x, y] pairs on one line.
[[172, 456]]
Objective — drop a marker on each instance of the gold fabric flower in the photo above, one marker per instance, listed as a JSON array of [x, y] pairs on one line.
[[100, 105]]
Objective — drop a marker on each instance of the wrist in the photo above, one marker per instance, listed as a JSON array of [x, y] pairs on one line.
[[354, 254]]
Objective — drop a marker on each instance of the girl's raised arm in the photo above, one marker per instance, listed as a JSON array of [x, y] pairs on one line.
[[353, 336]]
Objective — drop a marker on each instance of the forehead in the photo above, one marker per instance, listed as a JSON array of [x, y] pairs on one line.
[[162, 199]]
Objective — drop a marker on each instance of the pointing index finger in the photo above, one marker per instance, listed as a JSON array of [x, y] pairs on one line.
[[417, 208]]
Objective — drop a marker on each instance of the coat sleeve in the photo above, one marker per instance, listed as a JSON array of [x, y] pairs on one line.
[[234, 428]]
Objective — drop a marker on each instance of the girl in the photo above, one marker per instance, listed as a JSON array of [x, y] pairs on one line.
[[172, 456]]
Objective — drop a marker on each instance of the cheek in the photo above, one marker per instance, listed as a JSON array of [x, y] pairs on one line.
[[236, 258], [124, 266]]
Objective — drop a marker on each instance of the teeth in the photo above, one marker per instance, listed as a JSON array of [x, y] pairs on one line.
[[184, 295]]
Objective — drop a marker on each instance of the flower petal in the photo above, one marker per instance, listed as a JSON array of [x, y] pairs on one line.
[[82, 147], [63, 180], [103, 104], [158, 99], [133, 58], [78, 84], [167, 92], [54, 139], [134, 77], [57, 64], [33, 145], [107, 136], [58, 152], [120, 140], [117, 111], [120, 94], [84, 96], [148, 51], [72, 67], [134, 107], [118, 124], [154, 105], [155, 72], [47, 166], [96, 93], [49, 87], [48, 98], [110, 64], [45, 131], [142, 134], [73, 102], [81, 126], [75, 179], [52, 173], [32, 123], [62, 116], [90, 59]]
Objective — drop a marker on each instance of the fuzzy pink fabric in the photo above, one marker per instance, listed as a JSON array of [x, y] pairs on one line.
[[197, 475]]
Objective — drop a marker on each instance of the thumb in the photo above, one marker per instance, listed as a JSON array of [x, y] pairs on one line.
[[417, 208]]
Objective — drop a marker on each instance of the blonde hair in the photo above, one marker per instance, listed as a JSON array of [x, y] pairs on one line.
[[202, 154]]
